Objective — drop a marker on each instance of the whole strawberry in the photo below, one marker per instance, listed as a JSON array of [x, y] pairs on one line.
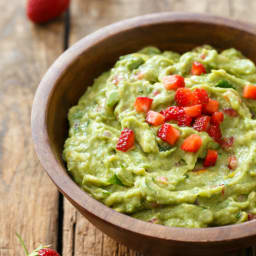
[[40, 251], [41, 11]]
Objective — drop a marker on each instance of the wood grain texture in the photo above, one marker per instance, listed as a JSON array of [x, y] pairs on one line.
[[82, 238], [28, 198]]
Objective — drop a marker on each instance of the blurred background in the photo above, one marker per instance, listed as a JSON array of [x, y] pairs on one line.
[[29, 202]]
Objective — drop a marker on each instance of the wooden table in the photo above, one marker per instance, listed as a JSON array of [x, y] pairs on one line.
[[29, 202]]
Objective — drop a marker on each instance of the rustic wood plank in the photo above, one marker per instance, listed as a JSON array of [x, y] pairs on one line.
[[79, 236], [28, 198]]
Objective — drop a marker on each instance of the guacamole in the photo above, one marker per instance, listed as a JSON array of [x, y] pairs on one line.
[[169, 138]]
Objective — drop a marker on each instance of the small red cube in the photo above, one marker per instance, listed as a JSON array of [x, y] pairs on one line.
[[185, 97], [143, 104], [202, 123], [154, 118], [249, 92], [198, 69], [168, 133], [192, 143], [215, 132], [173, 82], [194, 111], [211, 158], [211, 107], [217, 117], [202, 95], [126, 140]]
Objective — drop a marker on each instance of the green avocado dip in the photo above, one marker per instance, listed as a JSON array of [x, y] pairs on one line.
[[168, 138]]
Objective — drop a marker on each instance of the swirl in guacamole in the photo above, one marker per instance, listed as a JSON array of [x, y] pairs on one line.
[[169, 138]]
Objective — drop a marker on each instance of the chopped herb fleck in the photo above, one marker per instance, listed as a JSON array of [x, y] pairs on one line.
[[116, 180], [163, 148], [224, 84]]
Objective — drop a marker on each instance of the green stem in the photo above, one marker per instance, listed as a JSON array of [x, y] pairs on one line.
[[22, 244]]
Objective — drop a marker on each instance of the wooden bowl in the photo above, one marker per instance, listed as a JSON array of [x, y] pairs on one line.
[[68, 78]]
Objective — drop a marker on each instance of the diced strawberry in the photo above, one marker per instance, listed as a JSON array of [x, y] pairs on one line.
[[211, 158], [230, 112], [185, 97], [249, 92], [202, 123], [126, 140], [143, 104], [215, 132], [172, 113], [177, 114], [211, 107], [217, 118], [173, 82], [227, 143], [184, 119], [168, 134], [232, 162], [198, 69], [202, 95], [193, 111], [192, 143], [154, 118]]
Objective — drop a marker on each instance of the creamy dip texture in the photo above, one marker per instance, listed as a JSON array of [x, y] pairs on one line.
[[130, 143]]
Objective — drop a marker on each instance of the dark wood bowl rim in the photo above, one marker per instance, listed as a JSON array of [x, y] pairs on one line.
[[66, 185]]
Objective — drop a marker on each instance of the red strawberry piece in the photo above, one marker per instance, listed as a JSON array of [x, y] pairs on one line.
[[185, 97], [155, 118], [202, 95], [192, 143], [215, 132], [227, 143], [211, 158], [173, 82], [177, 114], [168, 134], [194, 111], [232, 162], [211, 107], [184, 119], [249, 92], [47, 252], [172, 113], [217, 118], [41, 11], [230, 112], [202, 123], [126, 140], [143, 104], [198, 69]]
